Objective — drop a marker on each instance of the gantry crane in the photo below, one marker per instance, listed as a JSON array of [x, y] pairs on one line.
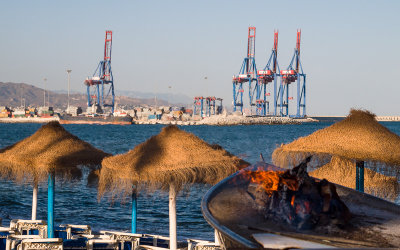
[[100, 87], [267, 75], [210, 107], [247, 73], [198, 105], [294, 72]]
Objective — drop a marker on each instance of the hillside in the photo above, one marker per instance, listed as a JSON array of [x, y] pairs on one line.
[[12, 93]]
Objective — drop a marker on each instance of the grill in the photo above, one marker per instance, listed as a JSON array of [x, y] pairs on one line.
[[238, 210]]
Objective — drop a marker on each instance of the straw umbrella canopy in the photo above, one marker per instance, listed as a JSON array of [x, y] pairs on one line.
[[167, 161], [343, 172], [359, 138], [50, 151]]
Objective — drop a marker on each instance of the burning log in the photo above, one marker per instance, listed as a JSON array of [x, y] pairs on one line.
[[296, 199]]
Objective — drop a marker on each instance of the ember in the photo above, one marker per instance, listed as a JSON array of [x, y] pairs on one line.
[[293, 197]]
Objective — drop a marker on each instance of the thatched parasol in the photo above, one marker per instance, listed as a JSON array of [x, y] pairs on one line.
[[49, 151], [343, 172], [359, 137], [168, 160]]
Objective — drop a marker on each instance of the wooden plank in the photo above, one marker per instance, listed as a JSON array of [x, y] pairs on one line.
[[319, 238], [282, 242]]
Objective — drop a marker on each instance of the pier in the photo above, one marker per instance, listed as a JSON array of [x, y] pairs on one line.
[[388, 118]]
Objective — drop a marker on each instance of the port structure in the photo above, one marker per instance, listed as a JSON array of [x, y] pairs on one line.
[[100, 87], [211, 106], [293, 73], [269, 74], [247, 74], [198, 105], [207, 106]]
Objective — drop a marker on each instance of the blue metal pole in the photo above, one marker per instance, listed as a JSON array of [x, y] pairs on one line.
[[134, 211], [298, 95], [357, 178], [214, 106], [112, 87], [281, 97], [287, 99], [102, 94], [207, 107], [234, 96], [201, 115], [265, 101], [98, 94], [50, 206], [250, 95], [213, 109], [304, 95], [275, 102], [241, 98], [88, 96], [360, 176]]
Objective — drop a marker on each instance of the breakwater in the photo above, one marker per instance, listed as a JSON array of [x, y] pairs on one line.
[[231, 120], [389, 118], [28, 119], [216, 120]]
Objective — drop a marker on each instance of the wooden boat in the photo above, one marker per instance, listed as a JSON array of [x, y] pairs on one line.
[[232, 212]]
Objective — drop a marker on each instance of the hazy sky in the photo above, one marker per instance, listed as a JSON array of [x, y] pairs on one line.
[[350, 49]]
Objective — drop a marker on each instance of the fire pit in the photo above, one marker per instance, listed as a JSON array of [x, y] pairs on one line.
[[295, 199], [266, 199]]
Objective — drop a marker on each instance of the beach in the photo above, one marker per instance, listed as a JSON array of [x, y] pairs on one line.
[[77, 203]]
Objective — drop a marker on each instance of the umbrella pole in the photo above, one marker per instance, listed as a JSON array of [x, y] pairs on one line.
[[172, 218], [134, 211], [50, 206], [216, 237], [360, 176], [34, 199]]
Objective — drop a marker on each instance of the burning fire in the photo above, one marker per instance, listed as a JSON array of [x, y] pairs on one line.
[[293, 196], [271, 180]]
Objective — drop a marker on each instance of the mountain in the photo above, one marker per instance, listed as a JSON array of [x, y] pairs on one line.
[[12, 93], [175, 98]]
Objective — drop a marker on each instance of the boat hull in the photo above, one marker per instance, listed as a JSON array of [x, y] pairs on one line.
[[229, 209]]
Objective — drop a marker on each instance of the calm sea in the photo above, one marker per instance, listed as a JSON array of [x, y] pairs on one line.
[[75, 203]]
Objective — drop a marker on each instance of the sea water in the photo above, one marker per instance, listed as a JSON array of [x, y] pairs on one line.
[[76, 203]]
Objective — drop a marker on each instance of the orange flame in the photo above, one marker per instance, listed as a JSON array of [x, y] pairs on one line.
[[270, 180]]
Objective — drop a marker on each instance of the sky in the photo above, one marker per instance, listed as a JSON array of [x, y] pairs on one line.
[[350, 50]]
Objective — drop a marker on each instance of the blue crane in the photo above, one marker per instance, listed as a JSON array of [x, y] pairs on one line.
[[247, 73], [269, 74], [100, 87], [293, 73]]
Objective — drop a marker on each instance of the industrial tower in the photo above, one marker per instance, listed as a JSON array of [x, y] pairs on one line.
[[100, 87], [247, 73], [211, 107], [291, 74], [198, 105], [269, 74]]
